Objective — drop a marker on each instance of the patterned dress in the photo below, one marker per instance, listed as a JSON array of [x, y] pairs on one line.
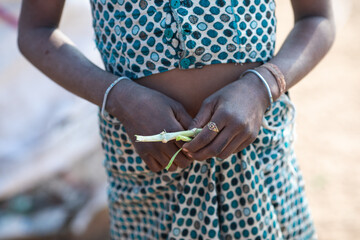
[[257, 193], [138, 38]]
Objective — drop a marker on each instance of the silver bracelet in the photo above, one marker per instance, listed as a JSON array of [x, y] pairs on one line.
[[265, 83], [104, 114]]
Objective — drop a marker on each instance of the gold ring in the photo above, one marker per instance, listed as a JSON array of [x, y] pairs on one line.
[[212, 127]]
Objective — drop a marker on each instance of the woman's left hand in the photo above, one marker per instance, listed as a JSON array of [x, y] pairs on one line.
[[237, 110]]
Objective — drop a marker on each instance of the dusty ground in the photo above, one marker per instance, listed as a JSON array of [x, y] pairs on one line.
[[328, 111]]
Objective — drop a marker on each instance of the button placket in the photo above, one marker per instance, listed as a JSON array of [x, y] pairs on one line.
[[236, 27], [183, 31]]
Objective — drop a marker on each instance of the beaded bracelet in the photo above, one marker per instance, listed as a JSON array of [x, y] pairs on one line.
[[104, 114], [279, 76], [265, 83]]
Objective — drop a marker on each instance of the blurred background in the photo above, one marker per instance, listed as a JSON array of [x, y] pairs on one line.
[[53, 185]]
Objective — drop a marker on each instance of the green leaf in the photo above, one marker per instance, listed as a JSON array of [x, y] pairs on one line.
[[172, 159], [183, 138]]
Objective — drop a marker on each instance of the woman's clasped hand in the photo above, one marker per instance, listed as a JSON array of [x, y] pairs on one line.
[[237, 110], [146, 111]]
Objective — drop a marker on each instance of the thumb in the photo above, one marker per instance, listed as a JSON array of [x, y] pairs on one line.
[[203, 116], [182, 116]]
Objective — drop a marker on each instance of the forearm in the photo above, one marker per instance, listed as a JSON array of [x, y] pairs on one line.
[[308, 42], [304, 47], [57, 57]]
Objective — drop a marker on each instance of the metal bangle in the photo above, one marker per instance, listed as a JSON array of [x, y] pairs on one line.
[[265, 83], [104, 114]]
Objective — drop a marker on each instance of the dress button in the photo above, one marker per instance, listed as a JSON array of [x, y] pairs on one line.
[[185, 63], [175, 3]]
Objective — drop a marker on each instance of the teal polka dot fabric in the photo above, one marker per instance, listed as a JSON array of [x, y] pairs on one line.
[[257, 193], [138, 38]]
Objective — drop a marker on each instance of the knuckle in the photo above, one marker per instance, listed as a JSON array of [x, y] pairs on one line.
[[196, 121], [241, 147], [237, 150], [181, 163], [253, 136], [176, 104], [154, 168], [172, 168], [224, 155], [226, 141], [247, 131], [226, 114], [145, 156], [200, 157], [215, 151], [178, 107], [207, 102], [238, 123], [211, 152], [173, 103], [184, 164]]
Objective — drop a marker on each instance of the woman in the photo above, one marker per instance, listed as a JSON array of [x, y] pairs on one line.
[[187, 65]]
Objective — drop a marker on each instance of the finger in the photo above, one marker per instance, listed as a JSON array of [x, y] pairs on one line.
[[205, 137], [162, 158], [182, 116], [179, 144], [152, 163], [203, 116], [217, 146], [173, 166], [234, 144], [181, 160]]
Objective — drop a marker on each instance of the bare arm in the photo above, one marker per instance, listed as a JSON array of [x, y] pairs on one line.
[[308, 42], [44, 45], [239, 107]]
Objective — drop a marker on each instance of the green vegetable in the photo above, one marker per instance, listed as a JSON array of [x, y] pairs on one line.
[[172, 159], [164, 137]]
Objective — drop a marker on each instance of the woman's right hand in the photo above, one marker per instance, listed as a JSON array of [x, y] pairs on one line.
[[144, 111]]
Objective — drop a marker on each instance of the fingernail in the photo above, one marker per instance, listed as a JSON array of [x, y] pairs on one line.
[[185, 150]]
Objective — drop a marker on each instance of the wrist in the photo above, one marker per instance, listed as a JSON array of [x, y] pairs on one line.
[[251, 84], [270, 79], [119, 97]]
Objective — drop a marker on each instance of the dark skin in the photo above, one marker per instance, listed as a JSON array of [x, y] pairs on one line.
[[179, 99]]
